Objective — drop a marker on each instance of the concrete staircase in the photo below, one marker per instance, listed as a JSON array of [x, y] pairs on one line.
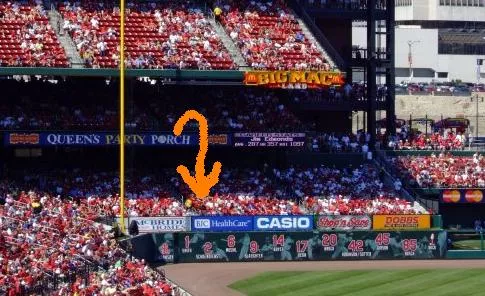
[[228, 43], [56, 22], [312, 32], [308, 34]]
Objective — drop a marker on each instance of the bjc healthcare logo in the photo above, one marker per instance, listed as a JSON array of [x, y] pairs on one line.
[[202, 223], [240, 223]]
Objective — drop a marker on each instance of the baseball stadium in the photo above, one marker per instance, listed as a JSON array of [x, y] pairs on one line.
[[242, 147]]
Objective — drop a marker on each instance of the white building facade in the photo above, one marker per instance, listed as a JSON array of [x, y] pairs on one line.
[[436, 40]]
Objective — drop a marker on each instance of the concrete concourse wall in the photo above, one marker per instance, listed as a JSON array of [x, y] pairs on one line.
[[442, 106], [418, 106]]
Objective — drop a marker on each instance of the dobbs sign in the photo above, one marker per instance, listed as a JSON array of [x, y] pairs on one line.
[[397, 222], [294, 79]]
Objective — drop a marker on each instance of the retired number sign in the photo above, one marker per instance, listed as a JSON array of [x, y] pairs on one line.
[[283, 246]]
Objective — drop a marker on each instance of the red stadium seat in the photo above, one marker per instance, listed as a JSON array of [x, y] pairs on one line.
[[146, 47], [19, 46], [264, 35]]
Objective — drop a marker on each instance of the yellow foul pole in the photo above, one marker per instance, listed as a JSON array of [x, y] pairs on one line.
[[122, 115]]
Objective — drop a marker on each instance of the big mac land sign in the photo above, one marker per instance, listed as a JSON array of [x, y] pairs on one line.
[[294, 79], [462, 196]]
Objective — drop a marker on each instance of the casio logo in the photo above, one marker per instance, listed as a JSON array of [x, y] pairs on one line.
[[283, 223]]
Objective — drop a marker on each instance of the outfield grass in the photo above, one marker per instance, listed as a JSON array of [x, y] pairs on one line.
[[421, 282]]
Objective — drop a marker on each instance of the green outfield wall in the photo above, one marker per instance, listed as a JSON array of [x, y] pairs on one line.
[[190, 247]]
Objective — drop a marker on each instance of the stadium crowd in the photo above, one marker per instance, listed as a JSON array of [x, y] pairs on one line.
[[442, 170], [269, 36], [446, 140], [53, 114], [26, 37], [348, 92], [340, 142], [159, 35], [46, 218], [43, 238], [242, 110], [239, 192]]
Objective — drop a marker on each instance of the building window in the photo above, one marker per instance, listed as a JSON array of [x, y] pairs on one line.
[[404, 2], [442, 74], [468, 3]]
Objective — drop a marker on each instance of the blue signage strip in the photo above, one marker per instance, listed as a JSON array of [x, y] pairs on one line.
[[107, 139], [222, 223], [252, 223], [285, 223]]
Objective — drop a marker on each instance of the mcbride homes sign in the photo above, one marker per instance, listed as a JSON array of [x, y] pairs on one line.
[[294, 79]]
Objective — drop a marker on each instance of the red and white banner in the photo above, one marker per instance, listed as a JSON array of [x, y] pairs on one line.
[[344, 222]]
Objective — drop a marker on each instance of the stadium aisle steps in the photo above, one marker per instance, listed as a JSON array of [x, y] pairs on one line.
[[227, 42], [55, 19], [306, 31]]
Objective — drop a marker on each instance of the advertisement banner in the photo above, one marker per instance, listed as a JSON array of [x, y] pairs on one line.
[[107, 139], [269, 139], [159, 224], [294, 79], [222, 223], [313, 245], [335, 222], [286, 223], [402, 222], [462, 196]]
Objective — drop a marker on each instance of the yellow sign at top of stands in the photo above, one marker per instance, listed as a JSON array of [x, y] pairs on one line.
[[290, 79]]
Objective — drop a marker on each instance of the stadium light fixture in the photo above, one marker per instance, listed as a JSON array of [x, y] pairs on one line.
[[477, 100], [410, 57]]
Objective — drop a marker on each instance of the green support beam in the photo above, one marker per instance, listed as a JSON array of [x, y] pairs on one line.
[[172, 74]]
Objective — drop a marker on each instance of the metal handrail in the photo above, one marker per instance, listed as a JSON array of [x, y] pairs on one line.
[[331, 51]]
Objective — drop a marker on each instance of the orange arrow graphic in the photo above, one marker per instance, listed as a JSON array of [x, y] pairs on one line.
[[200, 184]]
